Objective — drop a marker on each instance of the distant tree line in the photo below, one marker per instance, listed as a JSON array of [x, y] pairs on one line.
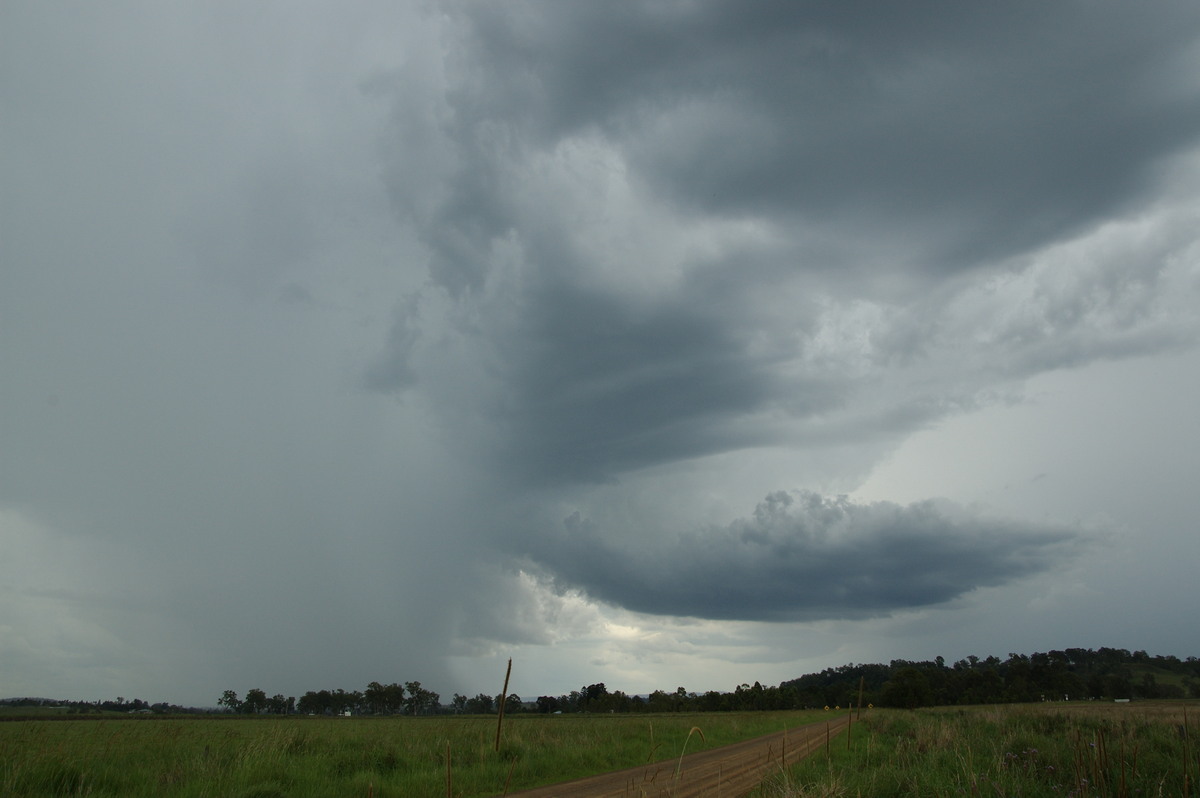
[[1070, 674], [409, 698], [1073, 674], [119, 704]]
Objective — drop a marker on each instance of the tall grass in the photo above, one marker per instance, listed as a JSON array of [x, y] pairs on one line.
[[377, 757], [1082, 751]]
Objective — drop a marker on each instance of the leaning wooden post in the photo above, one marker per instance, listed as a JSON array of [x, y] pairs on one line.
[[503, 701]]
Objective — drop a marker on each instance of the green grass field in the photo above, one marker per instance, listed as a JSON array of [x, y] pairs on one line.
[[301, 756], [1079, 750]]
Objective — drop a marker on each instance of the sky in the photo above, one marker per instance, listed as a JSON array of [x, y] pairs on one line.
[[689, 343]]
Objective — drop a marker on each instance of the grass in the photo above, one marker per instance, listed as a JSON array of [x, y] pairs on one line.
[[1082, 750], [301, 756]]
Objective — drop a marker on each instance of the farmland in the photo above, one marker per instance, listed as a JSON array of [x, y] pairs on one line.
[[1086, 748], [262, 757]]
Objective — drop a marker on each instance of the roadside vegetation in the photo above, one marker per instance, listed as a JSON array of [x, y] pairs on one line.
[[1082, 750]]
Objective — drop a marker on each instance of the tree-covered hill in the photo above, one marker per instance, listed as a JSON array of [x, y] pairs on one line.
[[1070, 674]]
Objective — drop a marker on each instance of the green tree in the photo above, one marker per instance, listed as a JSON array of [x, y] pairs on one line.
[[593, 692], [229, 700], [384, 699], [346, 701], [660, 701], [907, 688], [420, 701], [482, 704], [318, 702], [255, 702]]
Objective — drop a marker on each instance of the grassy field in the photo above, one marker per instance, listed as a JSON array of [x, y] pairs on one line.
[[302, 756], [1080, 749]]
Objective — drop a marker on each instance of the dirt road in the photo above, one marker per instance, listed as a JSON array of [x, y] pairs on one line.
[[730, 771]]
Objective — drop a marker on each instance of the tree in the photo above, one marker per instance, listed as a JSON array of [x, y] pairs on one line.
[[255, 702], [420, 701], [374, 696], [343, 701], [229, 700], [481, 704], [572, 702], [908, 688], [660, 701], [618, 701], [319, 702], [713, 701], [384, 699], [593, 692], [459, 702]]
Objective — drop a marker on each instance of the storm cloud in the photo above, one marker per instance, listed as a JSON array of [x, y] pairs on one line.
[[661, 230], [682, 232], [316, 324], [802, 556]]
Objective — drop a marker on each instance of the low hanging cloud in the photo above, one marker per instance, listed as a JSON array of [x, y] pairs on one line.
[[801, 556]]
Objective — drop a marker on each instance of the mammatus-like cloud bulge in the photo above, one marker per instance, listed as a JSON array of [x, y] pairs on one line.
[[802, 556]]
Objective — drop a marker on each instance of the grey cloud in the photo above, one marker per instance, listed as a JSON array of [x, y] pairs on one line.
[[551, 380], [603, 386], [579, 384], [936, 124], [801, 556], [673, 249], [874, 152], [393, 371]]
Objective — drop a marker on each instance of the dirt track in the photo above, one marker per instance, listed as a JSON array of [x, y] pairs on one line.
[[729, 771]]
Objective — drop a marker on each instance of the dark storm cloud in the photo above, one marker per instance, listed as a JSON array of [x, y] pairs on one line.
[[601, 386], [878, 149], [806, 557], [311, 317], [585, 385], [938, 123], [665, 232]]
